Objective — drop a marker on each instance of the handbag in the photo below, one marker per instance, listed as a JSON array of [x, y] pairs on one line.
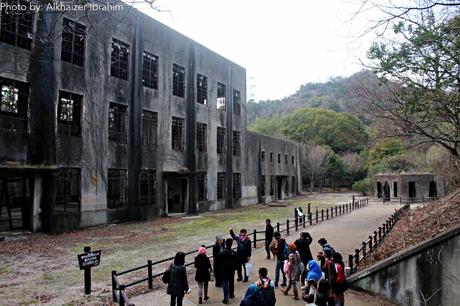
[[249, 268], [166, 275]]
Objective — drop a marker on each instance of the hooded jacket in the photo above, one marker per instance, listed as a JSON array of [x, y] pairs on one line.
[[244, 249], [314, 271], [178, 284]]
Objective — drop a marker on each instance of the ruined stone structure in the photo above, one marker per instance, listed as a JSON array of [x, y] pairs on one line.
[[408, 186], [113, 116]]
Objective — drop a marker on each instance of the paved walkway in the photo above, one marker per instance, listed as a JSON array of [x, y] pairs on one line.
[[344, 233]]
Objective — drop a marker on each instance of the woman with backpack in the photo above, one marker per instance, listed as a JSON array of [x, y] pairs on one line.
[[177, 282], [293, 270], [203, 274], [338, 284]]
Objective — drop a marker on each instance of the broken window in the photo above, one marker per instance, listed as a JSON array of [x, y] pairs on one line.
[[178, 80], [16, 24], [262, 155], [236, 186], [221, 97], [272, 156], [220, 185], [177, 134], [236, 143], [150, 70], [73, 42], [272, 185], [201, 89], [116, 188], [13, 105], [69, 113], [201, 139], [236, 102], [149, 128], [120, 59], [220, 140], [201, 186], [147, 187], [279, 158], [68, 190], [118, 123], [262, 185]]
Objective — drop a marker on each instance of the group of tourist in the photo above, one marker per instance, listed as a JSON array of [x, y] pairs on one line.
[[322, 281]]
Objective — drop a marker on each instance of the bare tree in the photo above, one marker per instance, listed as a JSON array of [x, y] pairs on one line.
[[317, 161]]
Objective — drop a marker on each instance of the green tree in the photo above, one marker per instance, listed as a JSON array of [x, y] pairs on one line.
[[385, 149], [268, 126]]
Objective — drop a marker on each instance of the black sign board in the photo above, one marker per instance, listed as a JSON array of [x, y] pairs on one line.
[[89, 259]]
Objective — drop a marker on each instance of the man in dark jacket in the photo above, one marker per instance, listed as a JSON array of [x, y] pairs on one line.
[[177, 285], [216, 249], [243, 251], [228, 263], [281, 256], [303, 247], [268, 236]]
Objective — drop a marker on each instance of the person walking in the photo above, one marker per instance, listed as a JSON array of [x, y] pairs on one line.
[[293, 271], [243, 251], [266, 287], [228, 263], [303, 247], [253, 297], [268, 236], [216, 249], [178, 284], [279, 249], [338, 284], [203, 274]]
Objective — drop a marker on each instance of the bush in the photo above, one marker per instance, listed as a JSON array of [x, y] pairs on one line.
[[364, 186]]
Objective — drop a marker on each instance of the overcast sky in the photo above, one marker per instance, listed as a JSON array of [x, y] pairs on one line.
[[282, 44]]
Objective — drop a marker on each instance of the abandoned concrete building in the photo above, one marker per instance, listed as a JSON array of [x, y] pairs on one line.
[[408, 186], [113, 116]]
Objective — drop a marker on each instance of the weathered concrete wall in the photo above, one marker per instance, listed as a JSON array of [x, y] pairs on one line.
[[427, 272], [421, 180]]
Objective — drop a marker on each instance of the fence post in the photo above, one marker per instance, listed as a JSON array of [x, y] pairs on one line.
[[296, 225], [350, 263], [357, 256], [327, 214], [336, 210], [375, 237], [380, 234], [310, 218], [364, 249], [353, 199], [370, 244], [150, 274], [317, 216], [114, 286], [278, 227], [255, 239], [322, 214], [308, 208], [122, 299], [287, 227], [303, 220]]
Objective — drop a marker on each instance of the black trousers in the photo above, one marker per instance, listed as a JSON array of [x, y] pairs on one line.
[[175, 298]]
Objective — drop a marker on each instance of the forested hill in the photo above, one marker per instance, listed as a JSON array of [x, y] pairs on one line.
[[335, 95]]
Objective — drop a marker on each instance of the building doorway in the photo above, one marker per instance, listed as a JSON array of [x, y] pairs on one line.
[[379, 190], [177, 195], [412, 190], [15, 203], [433, 193], [395, 189], [279, 187], [386, 191]]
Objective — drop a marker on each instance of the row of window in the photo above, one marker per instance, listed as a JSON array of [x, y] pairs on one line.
[[272, 185], [16, 29], [272, 157]]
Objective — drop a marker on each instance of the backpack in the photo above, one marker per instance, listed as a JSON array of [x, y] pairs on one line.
[[340, 279], [268, 295]]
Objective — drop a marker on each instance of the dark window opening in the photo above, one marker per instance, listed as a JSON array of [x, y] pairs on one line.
[[379, 190], [120, 59], [286, 187], [236, 102], [412, 190], [69, 113], [68, 190], [279, 158], [201, 186], [220, 185], [293, 159], [272, 156], [178, 81], [433, 192], [150, 70], [386, 191], [13, 105], [116, 188], [220, 140], [201, 89], [262, 185], [177, 134], [262, 155], [285, 159], [293, 185], [73, 42], [272, 185], [236, 143], [149, 128], [221, 97], [17, 25], [236, 186], [201, 136], [147, 187], [395, 189], [118, 123]]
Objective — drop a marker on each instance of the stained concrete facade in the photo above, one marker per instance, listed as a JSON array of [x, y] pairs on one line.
[[416, 186], [173, 174]]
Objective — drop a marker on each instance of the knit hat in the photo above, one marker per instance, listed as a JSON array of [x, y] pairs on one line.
[[202, 250]]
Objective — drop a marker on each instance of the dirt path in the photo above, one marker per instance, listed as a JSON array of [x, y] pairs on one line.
[[344, 234]]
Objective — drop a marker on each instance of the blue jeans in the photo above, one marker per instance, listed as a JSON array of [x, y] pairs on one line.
[[279, 267]]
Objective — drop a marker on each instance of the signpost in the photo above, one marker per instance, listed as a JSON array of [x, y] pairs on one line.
[[86, 261]]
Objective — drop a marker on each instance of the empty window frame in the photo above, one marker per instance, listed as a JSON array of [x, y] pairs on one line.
[[177, 134], [272, 185], [293, 184], [119, 67], [201, 186], [178, 81], [118, 123], [68, 190], [201, 89], [73, 42], [69, 113], [149, 128], [16, 25], [201, 136], [221, 185], [262, 185], [236, 186], [262, 155], [286, 159], [221, 97], [272, 156], [236, 143], [13, 105], [236, 102], [293, 159], [116, 188], [220, 140], [147, 187], [279, 158], [150, 70]]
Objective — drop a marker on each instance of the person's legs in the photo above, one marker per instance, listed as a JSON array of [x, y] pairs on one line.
[[179, 300], [294, 289], [277, 272], [173, 300], [206, 285], [267, 249], [286, 290], [200, 289], [225, 286], [245, 273], [231, 285], [240, 276]]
